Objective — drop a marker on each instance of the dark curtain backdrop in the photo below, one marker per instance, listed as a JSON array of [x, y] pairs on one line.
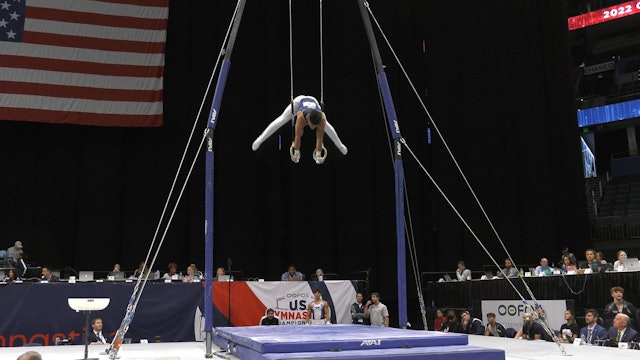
[[494, 76]]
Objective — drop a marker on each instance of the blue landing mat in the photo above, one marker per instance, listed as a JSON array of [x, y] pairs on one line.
[[347, 342], [452, 352], [331, 338]]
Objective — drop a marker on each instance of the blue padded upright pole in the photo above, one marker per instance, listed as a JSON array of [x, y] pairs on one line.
[[209, 200], [397, 165]]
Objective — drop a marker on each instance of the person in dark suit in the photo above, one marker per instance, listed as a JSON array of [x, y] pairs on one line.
[[47, 275], [96, 337], [593, 331], [21, 267], [621, 331]]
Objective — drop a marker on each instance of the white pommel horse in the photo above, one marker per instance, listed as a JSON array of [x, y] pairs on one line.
[[88, 305]]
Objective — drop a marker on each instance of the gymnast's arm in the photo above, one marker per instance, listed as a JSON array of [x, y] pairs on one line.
[[320, 133], [299, 130]]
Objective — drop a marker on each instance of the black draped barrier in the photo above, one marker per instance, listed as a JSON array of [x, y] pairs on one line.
[[587, 291], [39, 312]]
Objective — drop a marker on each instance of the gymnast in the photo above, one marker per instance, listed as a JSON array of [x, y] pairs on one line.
[[309, 113]]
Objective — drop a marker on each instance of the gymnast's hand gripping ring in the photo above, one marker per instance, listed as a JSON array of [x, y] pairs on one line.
[[318, 156], [295, 154]]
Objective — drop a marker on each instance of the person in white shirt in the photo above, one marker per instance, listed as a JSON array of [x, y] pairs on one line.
[[376, 311], [463, 273], [619, 264]]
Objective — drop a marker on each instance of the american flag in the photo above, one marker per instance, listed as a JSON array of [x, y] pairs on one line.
[[83, 62]]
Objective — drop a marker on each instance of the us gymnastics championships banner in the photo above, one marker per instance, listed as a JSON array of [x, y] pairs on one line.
[[245, 303]]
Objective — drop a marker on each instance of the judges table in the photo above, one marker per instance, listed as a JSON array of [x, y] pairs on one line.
[[39, 312], [587, 290]]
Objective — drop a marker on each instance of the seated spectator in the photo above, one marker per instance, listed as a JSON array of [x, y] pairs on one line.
[[172, 272], [621, 331], [471, 325], [565, 252], [11, 277], [567, 264], [141, 271], [439, 320], [463, 273], [192, 274], [292, 275], [530, 329], [618, 306], [47, 275], [621, 255], [494, 328], [543, 269], [569, 330], [270, 319], [590, 257], [508, 271], [593, 331], [116, 268], [318, 276], [220, 271], [452, 324], [600, 257]]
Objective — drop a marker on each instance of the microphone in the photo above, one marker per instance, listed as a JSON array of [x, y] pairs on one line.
[[229, 263]]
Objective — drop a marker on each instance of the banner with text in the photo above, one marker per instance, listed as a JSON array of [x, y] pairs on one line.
[[245, 303], [509, 312]]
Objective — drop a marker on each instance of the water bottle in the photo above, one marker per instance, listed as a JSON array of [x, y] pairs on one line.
[[583, 340]]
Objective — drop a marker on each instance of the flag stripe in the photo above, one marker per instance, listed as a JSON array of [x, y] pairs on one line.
[[158, 9], [80, 118], [73, 79], [81, 92], [92, 43], [148, 3], [81, 105], [95, 19], [93, 31], [98, 57], [83, 67]]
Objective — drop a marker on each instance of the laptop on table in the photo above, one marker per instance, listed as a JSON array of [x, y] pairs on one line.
[[85, 276]]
